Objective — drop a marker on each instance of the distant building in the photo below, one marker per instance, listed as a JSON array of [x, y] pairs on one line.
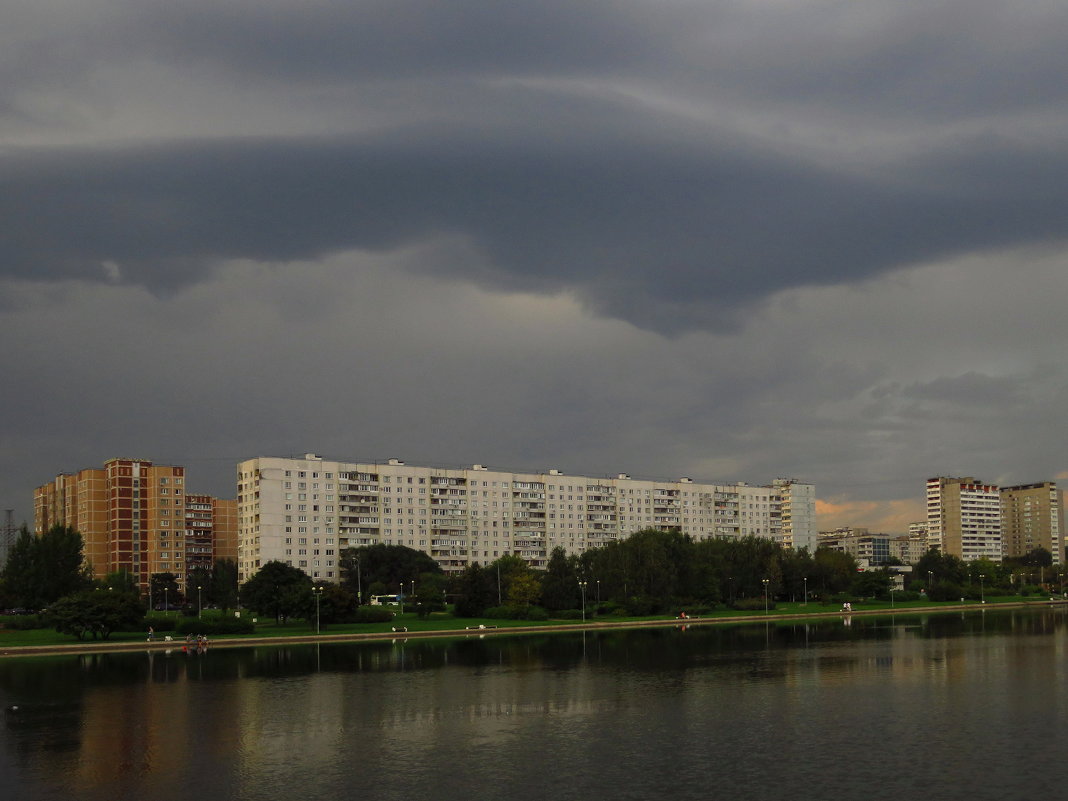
[[797, 507], [304, 511], [872, 550], [1031, 518], [964, 518], [136, 516], [970, 520]]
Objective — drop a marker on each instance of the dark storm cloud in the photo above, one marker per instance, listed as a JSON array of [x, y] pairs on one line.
[[650, 216], [861, 203], [664, 237], [943, 58]]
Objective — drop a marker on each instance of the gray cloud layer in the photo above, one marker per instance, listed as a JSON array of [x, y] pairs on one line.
[[729, 173]]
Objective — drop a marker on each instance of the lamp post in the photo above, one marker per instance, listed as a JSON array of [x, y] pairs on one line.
[[582, 588], [930, 581], [598, 592], [892, 588], [359, 582], [318, 593], [166, 606], [400, 598], [765, 583], [200, 606], [805, 579], [982, 589]]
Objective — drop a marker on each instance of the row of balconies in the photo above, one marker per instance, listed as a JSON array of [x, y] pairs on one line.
[[441, 491], [447, 481], [447, 523]]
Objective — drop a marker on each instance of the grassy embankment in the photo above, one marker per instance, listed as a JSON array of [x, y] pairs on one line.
[[10, 638]]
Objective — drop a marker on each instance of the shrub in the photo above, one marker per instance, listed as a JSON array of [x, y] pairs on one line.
[[23, 622], [752, 604], [369, 614], [905, 595], [946, 591], [641, 606], [220, 626], [516, 613]]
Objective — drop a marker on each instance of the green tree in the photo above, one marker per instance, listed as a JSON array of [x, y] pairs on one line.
[[388, 564], [935, 566], [872, 583], [796, 567], [119, 581], [524, 590], [475, 590], [223, 584], [559, 586], [96, 613], [336, 603], [163, 590], [198, 587], [20, 578], [40, 570], [833, 571], [430, 594], [502, 572], [279, 591]]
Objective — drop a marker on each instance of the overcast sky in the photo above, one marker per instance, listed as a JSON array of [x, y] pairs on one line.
[[824, 239]]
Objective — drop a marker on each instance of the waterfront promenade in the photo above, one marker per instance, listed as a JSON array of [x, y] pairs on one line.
[[413, 631]]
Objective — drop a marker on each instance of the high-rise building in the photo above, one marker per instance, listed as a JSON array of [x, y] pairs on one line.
[[1031, 518], [797, 507], [964, 518], [136, 516], [305, 511]]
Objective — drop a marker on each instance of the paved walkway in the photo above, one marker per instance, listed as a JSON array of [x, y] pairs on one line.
[[245, 642]]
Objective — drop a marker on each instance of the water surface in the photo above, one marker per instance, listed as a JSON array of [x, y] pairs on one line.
[[959, 706]]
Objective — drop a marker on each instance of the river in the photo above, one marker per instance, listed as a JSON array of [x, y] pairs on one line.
[[967, 706]]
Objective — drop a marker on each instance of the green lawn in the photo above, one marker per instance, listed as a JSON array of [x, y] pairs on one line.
[[444, 621]]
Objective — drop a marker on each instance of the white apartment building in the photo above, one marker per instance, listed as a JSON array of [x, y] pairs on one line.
[[797, 505], [304, 511]]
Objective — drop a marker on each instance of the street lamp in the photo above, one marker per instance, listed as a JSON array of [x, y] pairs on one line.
[[598, 592], [892, 588], [805, 579], [982, 590], [765, 583], [318, 593], [166, 606], [582, 587], [930, 581], [359, 584], [200, 606]]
